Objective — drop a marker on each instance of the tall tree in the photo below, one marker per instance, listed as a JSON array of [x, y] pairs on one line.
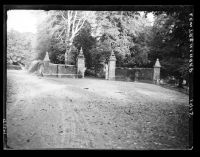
[[127, 31], [170, 42], [19, 47], [66, 26], [86, 41]]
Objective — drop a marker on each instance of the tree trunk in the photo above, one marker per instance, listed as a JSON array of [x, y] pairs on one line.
[[67, 54], [67, 43]]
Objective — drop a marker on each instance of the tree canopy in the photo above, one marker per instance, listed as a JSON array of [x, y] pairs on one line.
[[19, 47], [170, 43], [135, 41], [128, 32]]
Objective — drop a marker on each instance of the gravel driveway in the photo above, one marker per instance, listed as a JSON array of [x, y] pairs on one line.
[[93, 114]]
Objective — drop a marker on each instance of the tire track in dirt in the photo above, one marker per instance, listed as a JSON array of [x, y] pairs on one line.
[[74, 125], [79, 138], [84, 135], [68, 124], [85, 117], [98, 135], [17, 118], [85, 130], [158, 116]]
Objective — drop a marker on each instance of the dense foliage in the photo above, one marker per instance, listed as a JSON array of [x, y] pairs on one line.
[[59, 29], [19, 47], [125, 30], [135, 41], [170, 43]]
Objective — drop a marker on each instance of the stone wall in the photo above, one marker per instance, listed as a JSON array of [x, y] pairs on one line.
[[63, 70], [51, 69], [59, 70], [67, 71], [134, 74]]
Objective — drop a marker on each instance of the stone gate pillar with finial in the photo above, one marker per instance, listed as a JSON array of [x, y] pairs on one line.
[[44, 68], [81, 64], [156, 72], [111, 66], [46, 59]]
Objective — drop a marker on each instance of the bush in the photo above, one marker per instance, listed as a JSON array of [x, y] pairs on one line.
[[13, 67], [89, 72], [34, 66]]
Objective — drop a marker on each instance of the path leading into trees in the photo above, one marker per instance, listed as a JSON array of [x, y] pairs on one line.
[[93, 114]]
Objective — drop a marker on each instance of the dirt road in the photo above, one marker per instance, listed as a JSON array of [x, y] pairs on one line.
[[93, 114]]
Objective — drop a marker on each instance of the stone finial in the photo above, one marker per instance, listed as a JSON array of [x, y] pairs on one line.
[[81, 52], [112, 53], [81, 64], [81, 55], [112, 56], [46, 57], [157, 64]]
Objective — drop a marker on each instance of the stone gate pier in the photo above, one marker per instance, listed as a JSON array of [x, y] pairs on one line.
[[81, 64], [62, 70], [132, 74], [111, 67], [156, 72]]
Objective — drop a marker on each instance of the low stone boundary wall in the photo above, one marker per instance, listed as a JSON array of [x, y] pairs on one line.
[[52, 69], [46, 68], [59, 70], [67, 69], [134, 74]]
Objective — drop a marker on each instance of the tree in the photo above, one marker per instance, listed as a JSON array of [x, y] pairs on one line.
[[19, 47], [128, 32], [59, 29], [65, 27], [86, 41], [170, 43]]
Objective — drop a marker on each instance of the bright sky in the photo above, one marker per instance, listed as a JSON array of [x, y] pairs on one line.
[[26, 21], [21, 20], [150, 16]]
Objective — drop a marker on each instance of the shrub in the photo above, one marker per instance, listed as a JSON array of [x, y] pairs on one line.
[[89, 72], [35, 65]]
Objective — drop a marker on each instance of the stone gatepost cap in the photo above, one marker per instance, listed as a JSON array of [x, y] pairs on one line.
[[112, 56], [112, 53], [157, 64], [81, 53], [46, 57]]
